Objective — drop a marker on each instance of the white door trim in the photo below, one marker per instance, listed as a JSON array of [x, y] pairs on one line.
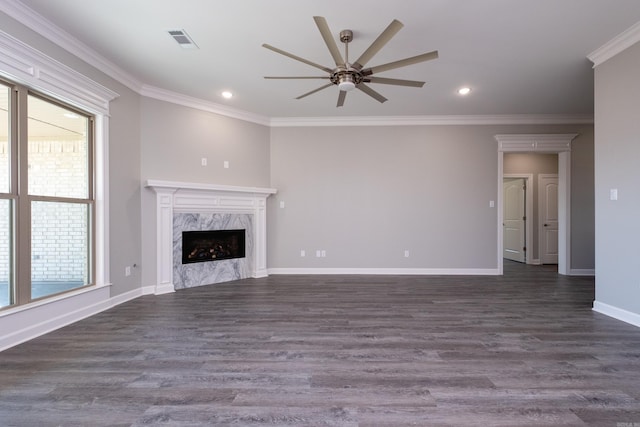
[[528, 234], [541, 143]]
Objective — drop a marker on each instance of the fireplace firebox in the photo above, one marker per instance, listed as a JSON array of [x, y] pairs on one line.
[[212, 245]]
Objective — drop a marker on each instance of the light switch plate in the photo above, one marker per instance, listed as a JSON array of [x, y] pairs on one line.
[[613, 194]]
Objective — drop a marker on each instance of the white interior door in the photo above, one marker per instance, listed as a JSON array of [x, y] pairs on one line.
[[548, 218], [514, 196]]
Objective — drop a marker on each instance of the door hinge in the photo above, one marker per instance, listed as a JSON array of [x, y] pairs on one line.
[[524, 249], [524, 218]]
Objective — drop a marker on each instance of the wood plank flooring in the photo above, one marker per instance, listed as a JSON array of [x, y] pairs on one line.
[[524, 349]]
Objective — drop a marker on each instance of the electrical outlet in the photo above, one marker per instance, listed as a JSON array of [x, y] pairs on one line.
[[203, 161], [226, 164], [323, 253], [127, 271], [406, 254], [302, 253]]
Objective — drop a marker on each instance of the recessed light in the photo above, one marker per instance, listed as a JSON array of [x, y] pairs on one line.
[[227, 95], [464, 91]]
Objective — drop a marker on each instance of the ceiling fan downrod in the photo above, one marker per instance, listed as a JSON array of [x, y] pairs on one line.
[[347, 77]]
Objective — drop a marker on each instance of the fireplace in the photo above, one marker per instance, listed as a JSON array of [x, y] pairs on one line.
[[186, 206], [212, 245]]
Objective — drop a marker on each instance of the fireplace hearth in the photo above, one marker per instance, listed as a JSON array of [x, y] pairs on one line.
[[212, 245]]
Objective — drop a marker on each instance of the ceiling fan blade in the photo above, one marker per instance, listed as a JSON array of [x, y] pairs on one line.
[[398, 82], [401, 63], [297, 58], [314, 91], [293, 77], [378, 44], [341, 96], [372, 93], [328, 39]]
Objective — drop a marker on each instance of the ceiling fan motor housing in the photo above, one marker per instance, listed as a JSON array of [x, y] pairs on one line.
[[346, 78]]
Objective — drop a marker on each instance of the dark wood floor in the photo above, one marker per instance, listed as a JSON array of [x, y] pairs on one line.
[[524, 349]]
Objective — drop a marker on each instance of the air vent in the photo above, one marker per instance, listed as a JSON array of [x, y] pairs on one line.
[[183, 39]]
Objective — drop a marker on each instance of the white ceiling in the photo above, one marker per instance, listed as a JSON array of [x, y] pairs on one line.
[[518, 56]]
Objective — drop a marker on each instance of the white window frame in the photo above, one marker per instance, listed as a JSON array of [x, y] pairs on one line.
[[29, 67]]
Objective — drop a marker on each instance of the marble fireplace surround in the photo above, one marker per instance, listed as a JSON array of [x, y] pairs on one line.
[[197, 198]]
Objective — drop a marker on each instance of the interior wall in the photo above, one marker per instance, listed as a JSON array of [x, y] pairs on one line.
[[365, 195], [535, 164], [174, 141], [617, 150]]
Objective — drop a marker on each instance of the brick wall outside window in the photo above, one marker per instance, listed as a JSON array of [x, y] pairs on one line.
[[59, 248]]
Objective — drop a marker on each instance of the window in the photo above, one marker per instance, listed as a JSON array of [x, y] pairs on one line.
[[46, 197]]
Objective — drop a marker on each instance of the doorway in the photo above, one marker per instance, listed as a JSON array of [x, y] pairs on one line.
[[517, 221], [540, 143]]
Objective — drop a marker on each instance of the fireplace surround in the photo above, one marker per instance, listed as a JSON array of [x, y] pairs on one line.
[[195, 206]]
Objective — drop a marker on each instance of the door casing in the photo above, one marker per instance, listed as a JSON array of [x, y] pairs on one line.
[[541, 143]]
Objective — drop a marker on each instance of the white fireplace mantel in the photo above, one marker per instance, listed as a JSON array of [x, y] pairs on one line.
[[189, 197]]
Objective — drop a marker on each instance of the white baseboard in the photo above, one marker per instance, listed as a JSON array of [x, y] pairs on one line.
[[33, 320], [149, 290], [164, 289], [617, 313], [390, 271]]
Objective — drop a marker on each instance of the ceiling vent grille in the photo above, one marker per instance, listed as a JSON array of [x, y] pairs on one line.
[[182, 38]]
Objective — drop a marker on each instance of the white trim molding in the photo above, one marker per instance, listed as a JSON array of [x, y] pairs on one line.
[[211, 198], [538, 143], [23, 64], [617, 313], [541, 143], [439, 120], [616, 45], [202, 105], [390, 271]]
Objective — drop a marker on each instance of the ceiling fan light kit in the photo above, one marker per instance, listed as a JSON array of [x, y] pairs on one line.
[[349, 76]]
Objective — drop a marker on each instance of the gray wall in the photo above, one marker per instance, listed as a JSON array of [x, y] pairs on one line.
[[174, 140], [367, 194], [617, 151]]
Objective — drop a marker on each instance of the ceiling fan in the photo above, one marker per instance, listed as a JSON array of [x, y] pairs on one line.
[[348, 76]]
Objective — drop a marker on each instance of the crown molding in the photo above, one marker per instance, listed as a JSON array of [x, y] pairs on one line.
[[616, 45], [504, 119], [26, 65], [201, 104], [47, 29]]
